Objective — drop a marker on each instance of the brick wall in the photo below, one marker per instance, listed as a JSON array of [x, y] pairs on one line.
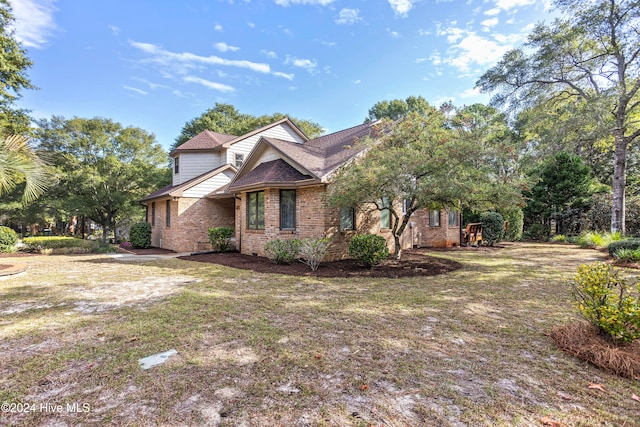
[[191, 219], [315, 218], [441, 236]]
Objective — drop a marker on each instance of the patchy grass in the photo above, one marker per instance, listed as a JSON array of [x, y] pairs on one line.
[[464, 349]]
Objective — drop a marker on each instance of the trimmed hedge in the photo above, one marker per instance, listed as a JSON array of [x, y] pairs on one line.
[[140, 235], [492, 228], [615, 246], [61, 245]]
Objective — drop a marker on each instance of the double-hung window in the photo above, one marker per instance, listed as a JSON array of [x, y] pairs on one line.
[[176, 165], [238, 159], [287, 209], [453, 219], [347, 219], [255, 210], [168, 213], [385, 215], [434, 218]]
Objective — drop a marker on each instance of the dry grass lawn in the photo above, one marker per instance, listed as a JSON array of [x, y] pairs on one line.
[[469, 348]]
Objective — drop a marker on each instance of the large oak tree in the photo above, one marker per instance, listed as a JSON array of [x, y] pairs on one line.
[[590, 57]]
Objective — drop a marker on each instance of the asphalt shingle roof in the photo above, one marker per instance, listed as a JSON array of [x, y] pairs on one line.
[[274, 171]]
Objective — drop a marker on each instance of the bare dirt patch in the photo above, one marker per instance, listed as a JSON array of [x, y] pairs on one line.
[[413, 263]]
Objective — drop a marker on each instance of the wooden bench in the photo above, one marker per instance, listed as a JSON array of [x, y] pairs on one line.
[[472, 234]]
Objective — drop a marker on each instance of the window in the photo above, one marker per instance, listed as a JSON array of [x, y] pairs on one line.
[[255, 210], [453, 219], [406, 204], [434, 218], [238, 160], [153, 214], [287, 209], [347, 219], [168, 213], [176, 165], [385, 215]]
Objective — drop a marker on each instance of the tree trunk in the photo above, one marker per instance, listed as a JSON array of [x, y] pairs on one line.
[[397, 253], [619, 183]]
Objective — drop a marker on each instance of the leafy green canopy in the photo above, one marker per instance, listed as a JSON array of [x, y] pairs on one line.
[[225, 118], [104, 168], [398, 108], [422, 162], [20, 164], [14, 64], [584, 64]]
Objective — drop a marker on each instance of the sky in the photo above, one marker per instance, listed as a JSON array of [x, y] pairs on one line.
[[156, 64]]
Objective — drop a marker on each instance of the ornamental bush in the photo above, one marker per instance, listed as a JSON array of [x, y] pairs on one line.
[[62, 245], [282, 251], [8, 239], [492, 228], [140, 235], [311, 251], [627, 255], [615, 246], [604, 298], [369, 249], [219, 238]]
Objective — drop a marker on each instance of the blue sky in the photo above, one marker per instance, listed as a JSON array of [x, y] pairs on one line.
[[156, 64]]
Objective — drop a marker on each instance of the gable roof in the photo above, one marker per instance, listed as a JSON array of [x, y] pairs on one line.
[[274, 172], [214, 141], [318, 157], [177, 190]]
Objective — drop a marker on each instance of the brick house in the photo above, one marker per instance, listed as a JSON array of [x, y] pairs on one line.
[[277, 191]]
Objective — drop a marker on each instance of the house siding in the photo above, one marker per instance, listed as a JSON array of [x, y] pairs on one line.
[[282, 131], [436, 237], [211, 184], [195, 164]]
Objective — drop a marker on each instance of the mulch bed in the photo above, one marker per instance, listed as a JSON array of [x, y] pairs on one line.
[[583, 341], [413, 263]]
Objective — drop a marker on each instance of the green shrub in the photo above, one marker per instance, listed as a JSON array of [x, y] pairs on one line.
[[61, 245], [627, 255], [282, 251], [604, 298], [219, 238], [8, 239], [515, 218], [632, 244], [558, 238], [598, 240], [140, 235], [492, 228], [538, 232], [369, 249], [311, 251]]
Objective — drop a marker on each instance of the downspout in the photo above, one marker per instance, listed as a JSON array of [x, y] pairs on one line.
[[240, 220]]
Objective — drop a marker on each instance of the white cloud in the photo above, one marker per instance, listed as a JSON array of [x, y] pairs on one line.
[[115, 30], [435, 58], [393, 34], [357, 82], [510, 4], [308, 64], [269, 53], [492, 12], [34, 21], [218, 28], [209, 84], [348, 16], [312, 2], [177, 60], [251, 24], [136, 90], [223, 47], [470, 93], [420, 60], [152, 86], [468, 49], [284, 75], [488, 23], [401, 7]]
